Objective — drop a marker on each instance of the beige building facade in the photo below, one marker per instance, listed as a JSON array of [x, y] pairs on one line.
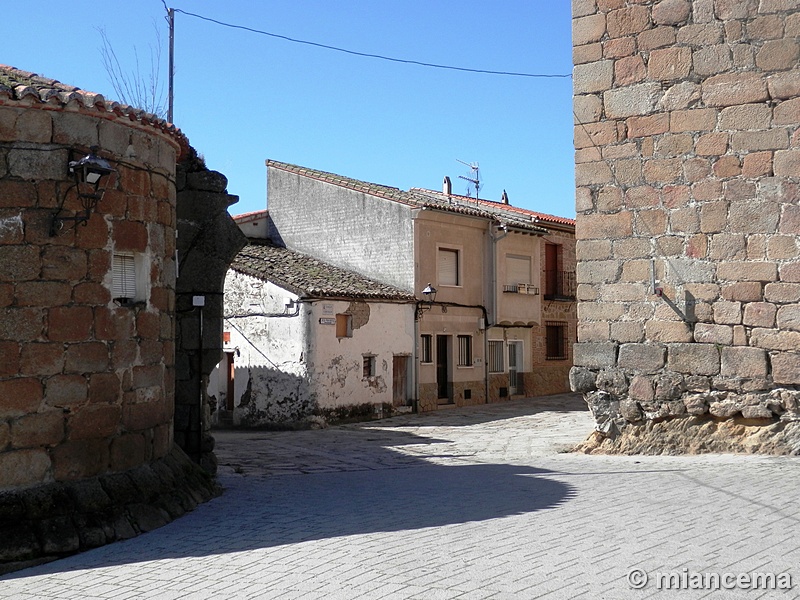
[[491, 331]]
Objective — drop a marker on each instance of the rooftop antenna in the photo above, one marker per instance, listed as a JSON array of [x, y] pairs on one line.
[[474, 180]]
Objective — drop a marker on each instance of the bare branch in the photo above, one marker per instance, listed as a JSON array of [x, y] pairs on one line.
[[144, 91]]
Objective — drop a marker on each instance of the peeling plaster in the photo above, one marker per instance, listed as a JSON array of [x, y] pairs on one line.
[[360, 313], [10, 226]]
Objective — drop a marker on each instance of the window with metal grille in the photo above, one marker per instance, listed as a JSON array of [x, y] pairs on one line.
[[123, 268], [369, 366], [426, 351], [496, 364], [464, 350], [556, 334], [448, 267]]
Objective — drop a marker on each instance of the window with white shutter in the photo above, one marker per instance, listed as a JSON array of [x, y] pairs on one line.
[[448, 267], [123, 269], [518, 270]]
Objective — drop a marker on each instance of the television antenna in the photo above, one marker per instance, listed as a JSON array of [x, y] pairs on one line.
[[475, 178]]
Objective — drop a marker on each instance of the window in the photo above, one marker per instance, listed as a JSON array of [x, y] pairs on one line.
[[552, 253], [518, 270], [344, 326], [369, 366], [556, 333], [496, 356], [465, 351], [426, 354], [448, 267], [123, 287], [558, 284]]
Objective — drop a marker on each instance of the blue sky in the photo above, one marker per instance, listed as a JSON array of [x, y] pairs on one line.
[[242, 98]]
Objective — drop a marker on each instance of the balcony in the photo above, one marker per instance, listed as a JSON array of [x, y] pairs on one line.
[[559, 285], [521, 288]]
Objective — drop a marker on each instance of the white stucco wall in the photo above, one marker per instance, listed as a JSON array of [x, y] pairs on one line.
[[381, 330], [290, 364], [271, 382]]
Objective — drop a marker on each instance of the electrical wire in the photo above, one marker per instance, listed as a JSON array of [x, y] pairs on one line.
[[368, 55]]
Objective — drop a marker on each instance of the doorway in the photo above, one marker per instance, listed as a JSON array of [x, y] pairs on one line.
[[400, 380], [443, 383], [514, 367], [230, 377]]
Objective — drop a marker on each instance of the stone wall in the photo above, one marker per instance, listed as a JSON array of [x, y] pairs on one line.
[[208, 239], [85, 381], [687, 171], [87, 367]]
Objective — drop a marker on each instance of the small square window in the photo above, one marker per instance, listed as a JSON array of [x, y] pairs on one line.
[[344, 326]]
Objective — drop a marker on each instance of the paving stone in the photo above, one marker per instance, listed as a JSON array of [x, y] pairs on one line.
[[478, 502]]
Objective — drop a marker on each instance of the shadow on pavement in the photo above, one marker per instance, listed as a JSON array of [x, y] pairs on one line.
[[486, 413], [263, 512]]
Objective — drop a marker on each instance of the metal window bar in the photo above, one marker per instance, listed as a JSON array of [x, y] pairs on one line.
[[559, 285], [465, 351], [496, 363], [556, 340]]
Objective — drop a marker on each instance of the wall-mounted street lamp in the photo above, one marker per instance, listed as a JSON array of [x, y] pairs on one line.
[[87, 173], [429, 295]]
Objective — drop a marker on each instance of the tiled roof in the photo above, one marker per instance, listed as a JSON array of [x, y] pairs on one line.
[[500, 207], [309, 277], [21, 86], [250, 216], [415, 197]]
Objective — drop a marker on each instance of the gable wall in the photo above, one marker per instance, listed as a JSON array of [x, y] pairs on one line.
[[349, 229]]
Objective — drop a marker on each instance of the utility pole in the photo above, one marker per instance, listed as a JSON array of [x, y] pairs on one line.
[[170, 95]]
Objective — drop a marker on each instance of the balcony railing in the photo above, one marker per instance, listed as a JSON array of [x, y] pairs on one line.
[[559, 285], [521, 288]]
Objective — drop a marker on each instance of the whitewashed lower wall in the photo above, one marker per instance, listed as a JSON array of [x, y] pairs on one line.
[[289, 364]]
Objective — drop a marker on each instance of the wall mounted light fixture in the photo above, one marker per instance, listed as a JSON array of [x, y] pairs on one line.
[[87, 173], [429, 295]]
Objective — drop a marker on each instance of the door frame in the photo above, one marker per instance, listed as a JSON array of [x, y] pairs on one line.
[[444, 368]]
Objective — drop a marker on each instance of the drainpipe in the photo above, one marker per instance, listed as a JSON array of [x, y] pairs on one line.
[[415, 357], [492, 298]]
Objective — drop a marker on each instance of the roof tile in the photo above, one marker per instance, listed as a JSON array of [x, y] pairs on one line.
[[416, 197], [18, 85], [308, 276]]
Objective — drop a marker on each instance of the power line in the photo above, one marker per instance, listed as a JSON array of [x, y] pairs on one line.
[[367, 55]]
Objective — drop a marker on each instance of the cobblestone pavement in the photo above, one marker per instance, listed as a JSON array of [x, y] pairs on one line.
[[469, 503]]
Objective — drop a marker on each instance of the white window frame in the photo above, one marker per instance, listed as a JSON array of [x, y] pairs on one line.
[[426, 349], [129, 272], [443, 269], [465, 351]]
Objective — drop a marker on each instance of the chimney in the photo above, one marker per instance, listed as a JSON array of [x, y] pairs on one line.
[[447, 186], [505, 197]]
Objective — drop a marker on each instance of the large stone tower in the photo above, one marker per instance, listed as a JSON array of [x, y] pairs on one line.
[[688, 215]]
